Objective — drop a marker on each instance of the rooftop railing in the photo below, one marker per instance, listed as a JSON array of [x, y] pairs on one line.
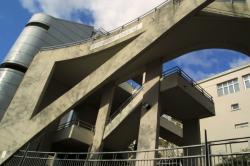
[[178, 70], [175, 2]]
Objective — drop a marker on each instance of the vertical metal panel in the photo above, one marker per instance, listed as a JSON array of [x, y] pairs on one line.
[[34, 36], [28, 43], [9, 82]]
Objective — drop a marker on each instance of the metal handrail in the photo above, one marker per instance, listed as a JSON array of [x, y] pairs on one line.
[[122, 152], [76, 122], [166, 73], [164, 156], [230, 139], [125, 103], [178, 70], [109, 32]]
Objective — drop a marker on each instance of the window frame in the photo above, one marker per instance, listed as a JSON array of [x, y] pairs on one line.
[[244, 81], [236, 109], [228, 87]]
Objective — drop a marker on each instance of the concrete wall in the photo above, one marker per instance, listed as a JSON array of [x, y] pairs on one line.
[[41, 31], [222, 126]]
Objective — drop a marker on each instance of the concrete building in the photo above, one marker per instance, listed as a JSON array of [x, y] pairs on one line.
[[41, 31], [83, 84], [231, 94]]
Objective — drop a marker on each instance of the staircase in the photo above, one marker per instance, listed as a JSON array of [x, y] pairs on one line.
[[19, 127]]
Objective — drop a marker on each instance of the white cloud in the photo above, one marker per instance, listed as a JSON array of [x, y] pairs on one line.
[[106, 14], [30, 5], [198, 64], [195, 74], [200, 58], [238, 62]]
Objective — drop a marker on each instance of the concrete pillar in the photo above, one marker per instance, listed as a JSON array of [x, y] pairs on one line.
[[102, 117], [191, 136], [150, 114]]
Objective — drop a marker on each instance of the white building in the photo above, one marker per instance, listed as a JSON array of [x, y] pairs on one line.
[[231, 94]]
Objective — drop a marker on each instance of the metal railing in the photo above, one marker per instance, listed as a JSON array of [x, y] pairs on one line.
[[178, 70], [229, 152], [194, 155], [127, 158], [175, 2], [78, 123], [165, 74], [124, 104]]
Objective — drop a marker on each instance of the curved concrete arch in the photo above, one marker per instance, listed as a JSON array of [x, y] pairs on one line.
[[231, 46], [163, 30]]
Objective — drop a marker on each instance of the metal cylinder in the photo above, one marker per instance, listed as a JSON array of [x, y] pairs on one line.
[[30, 41], [41, 31], [9, 82]]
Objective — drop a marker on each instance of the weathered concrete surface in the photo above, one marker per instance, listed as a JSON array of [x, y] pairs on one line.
[[170, 128], [17, 128], [191, 136], [75, 132], [102, 118], [174, 89], [194, 102], [150, 115], [237, 9], [124, 113]]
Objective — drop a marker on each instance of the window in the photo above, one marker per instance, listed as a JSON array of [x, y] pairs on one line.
[[241, 125], [246, 80], [235, 107], [228, 87]]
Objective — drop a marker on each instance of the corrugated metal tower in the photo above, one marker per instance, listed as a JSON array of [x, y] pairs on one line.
[[41, 31]]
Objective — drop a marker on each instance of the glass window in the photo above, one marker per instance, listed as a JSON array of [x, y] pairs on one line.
[[246, 80], [228, 87], [235, 107], [220, 92]]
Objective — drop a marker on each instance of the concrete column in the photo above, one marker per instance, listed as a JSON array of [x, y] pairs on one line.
[[102, 117], [191, 136], [150, 114]]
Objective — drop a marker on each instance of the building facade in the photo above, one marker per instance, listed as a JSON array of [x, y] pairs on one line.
[[74, 96], [231, 94]]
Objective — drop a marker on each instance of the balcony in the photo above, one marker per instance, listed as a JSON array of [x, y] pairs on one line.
[[182, 98], [75, 132]]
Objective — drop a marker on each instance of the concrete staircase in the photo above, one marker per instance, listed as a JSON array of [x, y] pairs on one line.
[[137, 41], [128, 108]]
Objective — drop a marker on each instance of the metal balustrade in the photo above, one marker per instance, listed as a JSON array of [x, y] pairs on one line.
[[109, 33], [76, 122], [193, 83], [195, 155], [165, 74]]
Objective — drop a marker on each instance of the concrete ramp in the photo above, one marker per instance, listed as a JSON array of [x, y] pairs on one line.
[[123, 128], [139, 37], [124, 113]]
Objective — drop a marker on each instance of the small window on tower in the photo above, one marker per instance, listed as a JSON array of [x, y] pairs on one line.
[[235, 107]]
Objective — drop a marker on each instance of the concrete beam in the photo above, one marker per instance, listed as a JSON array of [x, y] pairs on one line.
[[17, 128], [102, 118], [191, 136]]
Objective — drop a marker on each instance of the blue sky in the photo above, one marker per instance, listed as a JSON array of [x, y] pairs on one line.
[[100, 13]]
